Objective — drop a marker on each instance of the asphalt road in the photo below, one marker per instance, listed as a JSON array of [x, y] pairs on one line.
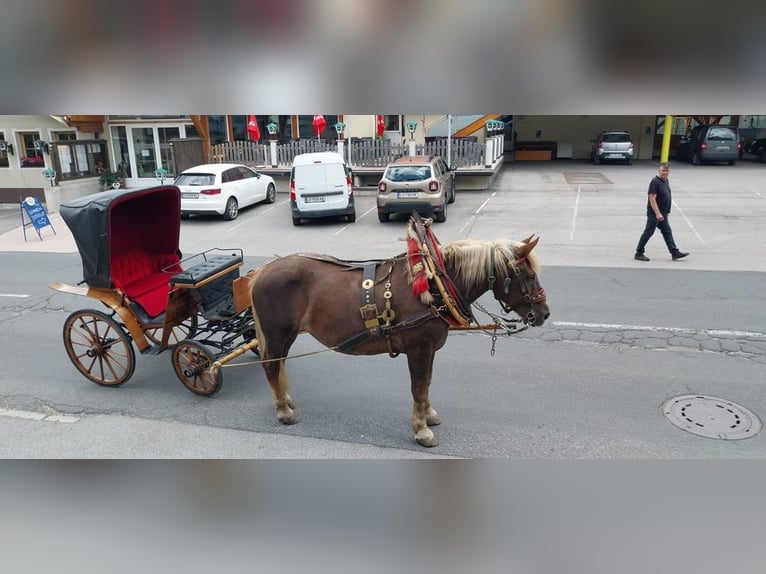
[[624, 337]]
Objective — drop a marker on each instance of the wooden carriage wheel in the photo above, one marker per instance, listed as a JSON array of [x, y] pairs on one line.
[[192, 362], [99, 347], [186, 330]]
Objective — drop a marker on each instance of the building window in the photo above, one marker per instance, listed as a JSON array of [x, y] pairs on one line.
[[4, 151], [64, 136], [393, 123], [28, 155], [79, 158], [306, 128]]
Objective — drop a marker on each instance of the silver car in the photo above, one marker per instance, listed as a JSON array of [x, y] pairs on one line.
[[612, 146]]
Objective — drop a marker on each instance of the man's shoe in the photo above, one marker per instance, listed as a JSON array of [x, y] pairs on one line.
[[642, 257], [679, 255]]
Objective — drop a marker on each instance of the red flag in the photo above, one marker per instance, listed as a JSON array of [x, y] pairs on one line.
[[252, 129], [319, 124], [380, 126]]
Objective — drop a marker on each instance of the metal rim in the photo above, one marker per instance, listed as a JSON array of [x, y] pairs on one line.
[[232, 208], [99, 347], [192, 362]]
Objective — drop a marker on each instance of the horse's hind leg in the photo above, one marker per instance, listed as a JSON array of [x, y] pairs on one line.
[[283, 403], [421, 366]]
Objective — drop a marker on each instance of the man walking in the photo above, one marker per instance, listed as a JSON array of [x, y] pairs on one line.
[[657, 211]]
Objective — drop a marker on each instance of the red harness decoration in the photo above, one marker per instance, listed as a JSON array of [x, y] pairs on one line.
[[417, 267]]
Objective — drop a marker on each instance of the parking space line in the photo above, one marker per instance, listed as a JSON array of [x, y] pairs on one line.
[[574, 215], [688, 222], [475, 214], [342, 229], [20, 295], [758, 194], [256, 214]]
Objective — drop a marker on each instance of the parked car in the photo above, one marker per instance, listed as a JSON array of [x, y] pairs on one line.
[[223, 188], [710, 143], [425, 184], [614, 145], [321, 186]]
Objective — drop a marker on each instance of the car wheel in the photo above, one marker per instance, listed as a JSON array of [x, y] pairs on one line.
[[696, 158], [351, 217], [599, 160], [382, 217], [184, 216], [296, 221], [441, 217], [628, 161], [452, 193], [232, 209], [733, 162], [271, 193]]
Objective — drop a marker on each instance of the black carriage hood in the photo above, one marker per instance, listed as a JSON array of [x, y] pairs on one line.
[[114, 221]]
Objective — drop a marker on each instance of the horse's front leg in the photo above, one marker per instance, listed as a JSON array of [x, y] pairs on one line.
[[421, 366]]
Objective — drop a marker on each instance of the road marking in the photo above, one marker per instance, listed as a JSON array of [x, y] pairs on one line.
[[758, 194], [32, 415], [688, 222], [574, 215], [714, 332], [342, 229], [256, 214], [476, 213], [20, 295]]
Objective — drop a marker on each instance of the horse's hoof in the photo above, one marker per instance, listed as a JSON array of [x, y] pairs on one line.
[[287, 418], [428, 440], [432, 418]]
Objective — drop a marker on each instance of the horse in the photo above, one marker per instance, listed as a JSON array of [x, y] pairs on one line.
[[336, 302]]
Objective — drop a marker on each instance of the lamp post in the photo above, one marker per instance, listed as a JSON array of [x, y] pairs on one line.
[[411, 127], [339, 127], [50, 175], [271, 127], [161, 173]]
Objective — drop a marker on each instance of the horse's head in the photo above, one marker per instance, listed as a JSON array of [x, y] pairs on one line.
[[519, 289]]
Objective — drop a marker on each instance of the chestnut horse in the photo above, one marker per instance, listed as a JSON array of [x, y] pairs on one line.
[[327, 298]]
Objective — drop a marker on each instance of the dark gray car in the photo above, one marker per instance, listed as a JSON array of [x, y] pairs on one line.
[[710, 143]]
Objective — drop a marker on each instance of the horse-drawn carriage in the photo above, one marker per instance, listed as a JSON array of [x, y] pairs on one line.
[[155, 299], [207, 314]]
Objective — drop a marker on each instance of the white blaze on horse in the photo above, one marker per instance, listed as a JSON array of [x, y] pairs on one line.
[[406, 304]]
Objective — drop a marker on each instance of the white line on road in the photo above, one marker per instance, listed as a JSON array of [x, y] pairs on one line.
[[758, 194], [719, 332], [342, 229], [259, 212], [31, 415], [476, 213], [20, 295], [688, 222], [574, 215]]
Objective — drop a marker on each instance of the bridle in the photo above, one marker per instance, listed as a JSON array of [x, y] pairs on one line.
[[529, 296]]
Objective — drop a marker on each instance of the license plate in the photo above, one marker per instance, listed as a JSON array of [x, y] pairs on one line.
[[189, 196], [614, 156], [722, 148], [314, 199], [406, 194]]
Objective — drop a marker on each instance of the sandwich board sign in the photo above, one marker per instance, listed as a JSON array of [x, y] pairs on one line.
[[35, 212]]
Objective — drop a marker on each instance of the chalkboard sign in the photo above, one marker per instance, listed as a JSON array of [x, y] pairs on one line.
[[38, 218]]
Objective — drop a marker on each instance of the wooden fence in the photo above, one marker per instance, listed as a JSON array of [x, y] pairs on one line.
[[363, 153]]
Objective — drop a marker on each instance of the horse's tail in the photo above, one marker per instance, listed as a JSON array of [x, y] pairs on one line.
[[252, 277]]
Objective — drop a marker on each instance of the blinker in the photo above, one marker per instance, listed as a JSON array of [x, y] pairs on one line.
[[506, 285]]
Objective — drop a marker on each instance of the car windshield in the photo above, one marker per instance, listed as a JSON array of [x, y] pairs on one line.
[[195, 179], [721, 134], [614, 138], [409, 173]]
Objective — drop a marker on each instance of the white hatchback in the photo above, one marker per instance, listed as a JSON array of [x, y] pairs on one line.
[[223, 188]]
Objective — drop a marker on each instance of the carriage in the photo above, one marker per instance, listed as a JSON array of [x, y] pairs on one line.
[[155, 299]]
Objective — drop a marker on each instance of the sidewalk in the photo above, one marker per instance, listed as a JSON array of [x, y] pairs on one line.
[[52, 239]]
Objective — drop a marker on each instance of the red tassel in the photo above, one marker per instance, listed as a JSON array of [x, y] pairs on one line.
[[420, 284]]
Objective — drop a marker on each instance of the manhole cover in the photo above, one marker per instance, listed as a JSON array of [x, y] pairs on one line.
[[711, 417]]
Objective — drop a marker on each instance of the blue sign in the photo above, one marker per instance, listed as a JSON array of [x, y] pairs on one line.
[[38, 218]]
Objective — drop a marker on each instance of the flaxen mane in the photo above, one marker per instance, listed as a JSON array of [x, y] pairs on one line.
[[471, 258]]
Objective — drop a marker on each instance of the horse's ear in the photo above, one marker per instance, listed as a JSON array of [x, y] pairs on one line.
[[528, 239], [528, 245]]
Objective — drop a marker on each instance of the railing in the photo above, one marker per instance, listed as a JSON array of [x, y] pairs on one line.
[[362, 153]]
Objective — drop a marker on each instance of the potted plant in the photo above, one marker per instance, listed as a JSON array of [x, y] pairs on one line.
[[111, 179]]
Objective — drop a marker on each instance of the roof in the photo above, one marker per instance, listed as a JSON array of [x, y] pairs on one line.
[[318, 157], [212, 167]]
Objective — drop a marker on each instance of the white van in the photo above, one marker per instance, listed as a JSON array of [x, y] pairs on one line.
[[320, 186]]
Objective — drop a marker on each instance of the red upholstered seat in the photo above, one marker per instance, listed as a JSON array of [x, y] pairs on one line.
[[139, 274]]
